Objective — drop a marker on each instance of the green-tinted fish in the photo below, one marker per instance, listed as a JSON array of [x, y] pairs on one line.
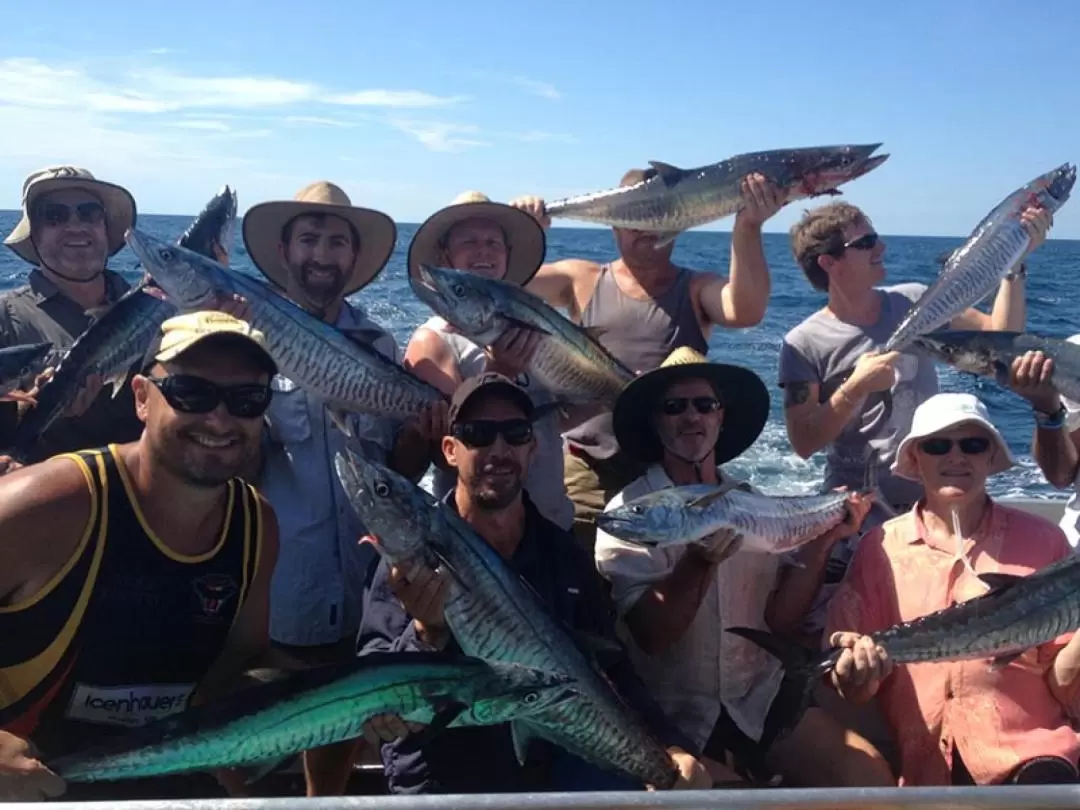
[[316, 707]]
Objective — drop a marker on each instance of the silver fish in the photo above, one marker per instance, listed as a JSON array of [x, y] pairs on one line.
[[19, 365], [494, 615], [212, 229], [771, 524], [347, 376], [991, 354], [310, 708], [675, 200], [976, 268], [568, 361]]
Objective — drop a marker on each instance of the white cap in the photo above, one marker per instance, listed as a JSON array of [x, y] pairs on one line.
[[939, 413]]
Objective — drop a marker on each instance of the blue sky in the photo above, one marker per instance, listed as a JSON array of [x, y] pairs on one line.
[[407, 104]]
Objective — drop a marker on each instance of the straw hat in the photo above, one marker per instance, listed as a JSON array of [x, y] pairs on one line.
[[525, 238], [119, 205], [939, 413], [746, 405], [264, 223]]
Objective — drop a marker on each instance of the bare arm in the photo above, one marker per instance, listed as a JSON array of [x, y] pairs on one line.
[[554, 283], [1009, 312], [663, 613], [429, 357], [740, 300], [44, 512], [1056, 452]]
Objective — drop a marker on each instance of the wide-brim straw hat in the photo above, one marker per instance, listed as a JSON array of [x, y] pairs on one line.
[[264, 223], [940, 413], [745, 396], [525, 240], [120, 210]]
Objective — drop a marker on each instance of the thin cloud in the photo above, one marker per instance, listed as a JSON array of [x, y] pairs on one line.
[[537, 136], [440, 136], [317, 121], [209, 126], [393, 98], [542, 89]]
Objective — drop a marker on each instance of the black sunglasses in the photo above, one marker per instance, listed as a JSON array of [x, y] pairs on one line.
[[868, 241], [969, 445], [673, 406], [188, 394], [483, 432], [53, 213]]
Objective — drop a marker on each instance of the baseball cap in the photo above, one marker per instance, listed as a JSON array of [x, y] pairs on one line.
[[489, 383], [181, 332]]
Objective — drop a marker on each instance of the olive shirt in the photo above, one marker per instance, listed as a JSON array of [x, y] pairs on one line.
[[40, 312]]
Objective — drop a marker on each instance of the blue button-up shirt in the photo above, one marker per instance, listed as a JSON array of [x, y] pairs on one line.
[[316, 595]]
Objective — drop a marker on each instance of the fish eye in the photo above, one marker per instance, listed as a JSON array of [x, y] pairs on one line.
[[531, 697], [166, 254], [382, 489], [459, 290]]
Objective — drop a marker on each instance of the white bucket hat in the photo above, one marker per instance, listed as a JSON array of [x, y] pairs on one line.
[[941, 412]]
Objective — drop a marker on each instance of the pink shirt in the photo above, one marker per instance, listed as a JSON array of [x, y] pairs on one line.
[[996, 720]]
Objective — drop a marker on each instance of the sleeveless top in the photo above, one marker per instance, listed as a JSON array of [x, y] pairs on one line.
[[641, 334], [125, 632], [544, 480]]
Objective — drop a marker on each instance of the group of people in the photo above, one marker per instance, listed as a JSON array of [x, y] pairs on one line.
[[208, 532]]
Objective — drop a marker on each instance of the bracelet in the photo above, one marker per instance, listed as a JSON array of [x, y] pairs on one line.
[[1053, 421]]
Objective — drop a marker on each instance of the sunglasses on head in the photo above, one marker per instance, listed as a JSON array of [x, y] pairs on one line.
[[969, 445], [54, 213], [483, 432], [673, 406], [188, 394]]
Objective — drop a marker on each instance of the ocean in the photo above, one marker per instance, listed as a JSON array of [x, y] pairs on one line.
[[771, 464]]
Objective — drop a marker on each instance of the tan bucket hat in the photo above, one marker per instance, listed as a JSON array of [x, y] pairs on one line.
[[120, 210], [525, 238], [263, 224]]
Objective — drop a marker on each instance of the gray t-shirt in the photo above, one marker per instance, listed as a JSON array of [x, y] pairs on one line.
[[823, 350]]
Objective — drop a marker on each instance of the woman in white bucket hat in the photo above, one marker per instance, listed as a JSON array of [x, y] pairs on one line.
[[957, 722]]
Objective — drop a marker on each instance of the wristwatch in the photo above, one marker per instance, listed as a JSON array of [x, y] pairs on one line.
[[1052, 421], [1019, 272]]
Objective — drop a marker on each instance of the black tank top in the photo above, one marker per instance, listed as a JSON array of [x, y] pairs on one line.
[[125, 632]]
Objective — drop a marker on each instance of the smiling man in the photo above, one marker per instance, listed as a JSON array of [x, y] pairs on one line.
[[71, 224], [135, 577]]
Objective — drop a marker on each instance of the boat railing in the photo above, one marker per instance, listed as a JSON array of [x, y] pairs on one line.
[[931, 798]]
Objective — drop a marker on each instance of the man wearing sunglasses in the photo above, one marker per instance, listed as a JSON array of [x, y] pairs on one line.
[[683, 420], [71, 224], [957, 722], [491, 445], [135, 577]]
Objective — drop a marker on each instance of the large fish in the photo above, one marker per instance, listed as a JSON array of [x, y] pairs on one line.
[[19, 365], [568, 361], [773, 524], [347, 376], [494, 615], [1020, 612], [311, 708], [991, 354], [976, 268], [114, 343], [675, 200]]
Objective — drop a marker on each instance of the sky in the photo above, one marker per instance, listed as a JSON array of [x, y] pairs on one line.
[[407, 104]]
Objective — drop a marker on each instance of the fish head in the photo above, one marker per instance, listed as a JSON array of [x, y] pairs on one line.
[[393, 509], [823, 170], [657, 519], [189, 279], [1053, 188], [469, 302], [514, 691], [19, 365], [966, 352]]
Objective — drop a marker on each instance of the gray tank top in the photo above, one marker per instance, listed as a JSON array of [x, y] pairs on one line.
[[544, 481], [641, 334]]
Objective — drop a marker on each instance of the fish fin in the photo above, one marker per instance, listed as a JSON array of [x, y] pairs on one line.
[[117, 381], [665, 238], [444, 716], [671, 175], [445, 563], [1000, 581], [943, 258], [257, 771], [340, 419], [268, 674], [707, 498], [522, 734], [1001, 661], [595, 332]]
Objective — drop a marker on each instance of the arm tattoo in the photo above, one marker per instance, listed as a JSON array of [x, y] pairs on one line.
[[796, 393]]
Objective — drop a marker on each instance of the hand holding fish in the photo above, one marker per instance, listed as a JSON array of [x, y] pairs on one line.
[[874, 371], [8, 464], [388, 728], [422, 593], [235, 305], [861, 668], [859, 505], [718, 546], [1037, 221], [534, 206], [761, 198], [693, 775], [513, 351], [1029, 376], [92, 386], [23, 777]]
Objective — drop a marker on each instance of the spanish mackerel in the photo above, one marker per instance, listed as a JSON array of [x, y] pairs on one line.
[[348, 376], [211, 231], [19, 365], [311, 708], [1020, 612], [773, 524], [675, 200], [976, 268], [568, 361], [991, 354], [494, 615]]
